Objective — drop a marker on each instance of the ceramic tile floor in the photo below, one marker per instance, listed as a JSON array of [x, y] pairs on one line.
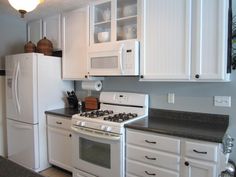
[[55, 172]]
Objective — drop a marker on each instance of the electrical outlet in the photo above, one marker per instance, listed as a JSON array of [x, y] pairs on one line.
[[171, 98], [222, 101]]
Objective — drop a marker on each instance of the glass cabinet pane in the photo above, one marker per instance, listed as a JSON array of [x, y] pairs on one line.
[[102, 22], [126, 19]]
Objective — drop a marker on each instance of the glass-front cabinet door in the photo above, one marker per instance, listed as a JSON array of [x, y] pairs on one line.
[[114, 20], [126, 19]]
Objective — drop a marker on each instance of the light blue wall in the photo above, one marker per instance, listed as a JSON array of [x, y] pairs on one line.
[[12, 36]]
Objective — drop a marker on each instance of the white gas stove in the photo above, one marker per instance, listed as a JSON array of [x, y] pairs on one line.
[[116, 109], [98, 136]]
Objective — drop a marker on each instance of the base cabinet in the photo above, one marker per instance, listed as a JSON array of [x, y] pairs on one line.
[[195, 168], [59, 142], [147, 154]]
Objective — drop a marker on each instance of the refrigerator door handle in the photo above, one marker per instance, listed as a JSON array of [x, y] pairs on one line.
[[16, 87]]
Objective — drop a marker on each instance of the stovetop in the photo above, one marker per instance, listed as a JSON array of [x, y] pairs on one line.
[[109, 115], [116, 109]]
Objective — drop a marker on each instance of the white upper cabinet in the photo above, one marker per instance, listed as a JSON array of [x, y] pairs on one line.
[[52, 30], [35, 31], [49, 27], [209, 39], [184, 40], [166, 40], [75, 40], [114, 20]]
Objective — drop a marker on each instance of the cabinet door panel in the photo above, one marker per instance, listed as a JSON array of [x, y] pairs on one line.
[[59, 148], [75, 29], [166, 47], [199, 169], [35, 31], [209, 38], [52, 30]]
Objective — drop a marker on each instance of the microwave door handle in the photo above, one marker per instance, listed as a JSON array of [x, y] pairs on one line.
[[121, 55]]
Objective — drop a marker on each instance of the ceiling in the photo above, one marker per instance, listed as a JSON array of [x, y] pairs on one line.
[[48, 7]]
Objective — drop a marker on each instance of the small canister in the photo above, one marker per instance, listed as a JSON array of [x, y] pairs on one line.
[[30, 47], [45, 46]]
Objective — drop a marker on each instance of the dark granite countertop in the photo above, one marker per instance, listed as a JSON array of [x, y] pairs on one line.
[[200, 126], [65, 112], [11, 169]]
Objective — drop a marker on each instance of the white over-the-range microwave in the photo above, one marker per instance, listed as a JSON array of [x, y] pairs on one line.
[[114, 59]]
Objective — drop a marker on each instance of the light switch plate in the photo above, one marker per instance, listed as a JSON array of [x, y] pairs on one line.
[[222, 101], [171, 98]]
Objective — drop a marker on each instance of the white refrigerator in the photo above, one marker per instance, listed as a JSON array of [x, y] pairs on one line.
[[33, 85]]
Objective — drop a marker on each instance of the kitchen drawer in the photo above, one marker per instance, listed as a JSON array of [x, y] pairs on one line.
[[151, 157], [153, 141], [59, 122], [144, 170], [204, 151]]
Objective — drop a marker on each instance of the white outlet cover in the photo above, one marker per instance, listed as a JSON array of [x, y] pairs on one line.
[[222, 101], [171, 98]]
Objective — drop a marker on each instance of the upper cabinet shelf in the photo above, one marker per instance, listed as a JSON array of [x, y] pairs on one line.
[[114, 20]]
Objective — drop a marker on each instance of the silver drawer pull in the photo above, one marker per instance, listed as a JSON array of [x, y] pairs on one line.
[[150, 158], [59, 122], [199, 152], [150, 174], [150, 142]]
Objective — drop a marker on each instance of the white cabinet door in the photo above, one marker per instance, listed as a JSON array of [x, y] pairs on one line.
[[75, 40], [209, 39], [52, 30], [165, 50], [194, 168], [35, 31], [59, 148]]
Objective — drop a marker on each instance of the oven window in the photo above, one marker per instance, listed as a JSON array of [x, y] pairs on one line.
[[95, 152]]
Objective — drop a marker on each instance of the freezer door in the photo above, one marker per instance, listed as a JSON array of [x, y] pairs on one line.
[[21, 88], [23, 144]]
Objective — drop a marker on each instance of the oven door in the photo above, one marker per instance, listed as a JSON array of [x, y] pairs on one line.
[[97, 152]]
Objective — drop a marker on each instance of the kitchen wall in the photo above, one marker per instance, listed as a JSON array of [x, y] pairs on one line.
[[12, 36], [12, 40]]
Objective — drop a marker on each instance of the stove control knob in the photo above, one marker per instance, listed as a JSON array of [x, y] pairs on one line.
[[103, 127], [82, 124], [108, 129]]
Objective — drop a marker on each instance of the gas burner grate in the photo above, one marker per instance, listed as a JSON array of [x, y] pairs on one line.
[[120, 117], [96, 114]]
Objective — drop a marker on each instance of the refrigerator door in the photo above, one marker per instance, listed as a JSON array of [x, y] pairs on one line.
[[21, 87], [23, 144]]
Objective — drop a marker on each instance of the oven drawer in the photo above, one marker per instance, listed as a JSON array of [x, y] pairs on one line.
[[206, 151], [151, 157], [60, 122], [153, 141], [140, 169]]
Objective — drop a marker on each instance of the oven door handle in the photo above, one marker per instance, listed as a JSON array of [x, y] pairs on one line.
[[95, 135]]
